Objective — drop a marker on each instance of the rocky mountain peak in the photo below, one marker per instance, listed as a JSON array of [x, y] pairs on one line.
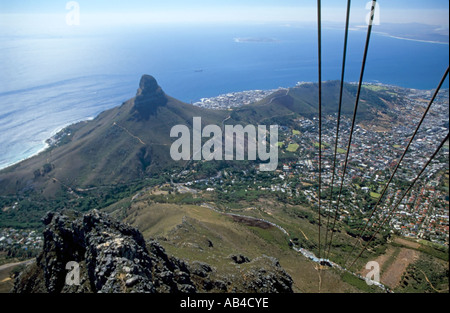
[[147, 85], [148, 98]]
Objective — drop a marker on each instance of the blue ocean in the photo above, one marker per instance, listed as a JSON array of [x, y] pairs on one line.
[[53, 78]]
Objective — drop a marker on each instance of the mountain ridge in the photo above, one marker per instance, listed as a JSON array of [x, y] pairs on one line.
[[132, 141], [113, 257], [119, 145]]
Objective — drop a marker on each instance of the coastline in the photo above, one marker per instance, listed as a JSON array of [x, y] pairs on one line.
[[46, 146], [202, 103], [45, 143], [360, 28], [411, 39]]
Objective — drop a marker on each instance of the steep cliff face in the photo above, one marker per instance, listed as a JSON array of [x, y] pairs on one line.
[[149, 97], [114, 258]]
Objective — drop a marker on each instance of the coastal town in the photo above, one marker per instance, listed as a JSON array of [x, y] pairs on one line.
[[374, 153], [19, 243], [235, 99]]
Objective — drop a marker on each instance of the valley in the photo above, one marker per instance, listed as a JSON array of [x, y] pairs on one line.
[[230, 215]]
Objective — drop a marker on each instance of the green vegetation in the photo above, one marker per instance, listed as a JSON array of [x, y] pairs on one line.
[[375, 195], [293, 147], [177, 198], [425, 275], [324, 145], [31, 207], [359, 283], [16, 252], [429, 248]]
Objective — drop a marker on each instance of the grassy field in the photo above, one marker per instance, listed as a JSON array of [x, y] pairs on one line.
[[292, 147], [375, 195], [197, 233]]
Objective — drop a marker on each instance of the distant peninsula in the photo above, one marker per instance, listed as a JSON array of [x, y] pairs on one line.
[[412, 31]]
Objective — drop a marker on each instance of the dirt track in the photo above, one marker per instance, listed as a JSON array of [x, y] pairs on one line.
[[392, 275], [407, 243]]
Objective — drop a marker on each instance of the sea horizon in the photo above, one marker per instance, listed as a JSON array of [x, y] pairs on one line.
[[65, 79]]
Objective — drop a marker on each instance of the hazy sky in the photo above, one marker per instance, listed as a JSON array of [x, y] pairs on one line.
[[391, 11]]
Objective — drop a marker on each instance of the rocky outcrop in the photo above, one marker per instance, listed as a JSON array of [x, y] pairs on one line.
[[239, 259], [267, 276], [149, 97], [113, 257]]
